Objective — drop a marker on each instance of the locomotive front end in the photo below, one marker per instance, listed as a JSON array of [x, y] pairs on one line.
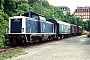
[[15, 32]]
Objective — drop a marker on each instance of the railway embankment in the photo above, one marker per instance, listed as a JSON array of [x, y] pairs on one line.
[[8, 53]]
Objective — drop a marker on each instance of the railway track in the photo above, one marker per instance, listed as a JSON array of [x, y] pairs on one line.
[[37, 44], [4, 50]]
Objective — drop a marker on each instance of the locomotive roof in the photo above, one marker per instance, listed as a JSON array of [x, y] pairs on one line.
[[27, 14], [17, 17]]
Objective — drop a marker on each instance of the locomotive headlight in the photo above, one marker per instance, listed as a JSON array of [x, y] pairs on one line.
[[22, 29]]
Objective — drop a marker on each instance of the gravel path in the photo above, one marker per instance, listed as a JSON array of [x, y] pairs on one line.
[[67, 49]]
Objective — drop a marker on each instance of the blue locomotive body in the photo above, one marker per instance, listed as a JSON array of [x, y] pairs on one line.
[[46, 27], [31, 26], [56, 25], [24, 29], [38, 24]]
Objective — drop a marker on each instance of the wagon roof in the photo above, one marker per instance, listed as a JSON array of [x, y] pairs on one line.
[[61, 22], [52, 20]]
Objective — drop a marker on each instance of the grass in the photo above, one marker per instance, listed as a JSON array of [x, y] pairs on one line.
[[11, 53]]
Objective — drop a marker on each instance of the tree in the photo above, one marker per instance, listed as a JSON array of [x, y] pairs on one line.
[[16, 7], [58, 14], [87, 25], [3, 23]]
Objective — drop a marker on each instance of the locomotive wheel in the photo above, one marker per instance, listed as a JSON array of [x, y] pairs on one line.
[[50, 38], [12, 43], [23, 42], [36, 39], [40, 40]]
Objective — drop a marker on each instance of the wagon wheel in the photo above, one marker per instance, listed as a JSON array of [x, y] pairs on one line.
[[62, 36]]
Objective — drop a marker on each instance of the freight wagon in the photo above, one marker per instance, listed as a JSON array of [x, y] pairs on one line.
[[75, 30]]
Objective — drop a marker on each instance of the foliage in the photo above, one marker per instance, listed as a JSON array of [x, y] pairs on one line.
[[15, 7], [86, 25], [3, 23]]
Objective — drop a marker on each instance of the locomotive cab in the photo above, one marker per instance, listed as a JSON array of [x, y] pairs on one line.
[[16, 24]]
